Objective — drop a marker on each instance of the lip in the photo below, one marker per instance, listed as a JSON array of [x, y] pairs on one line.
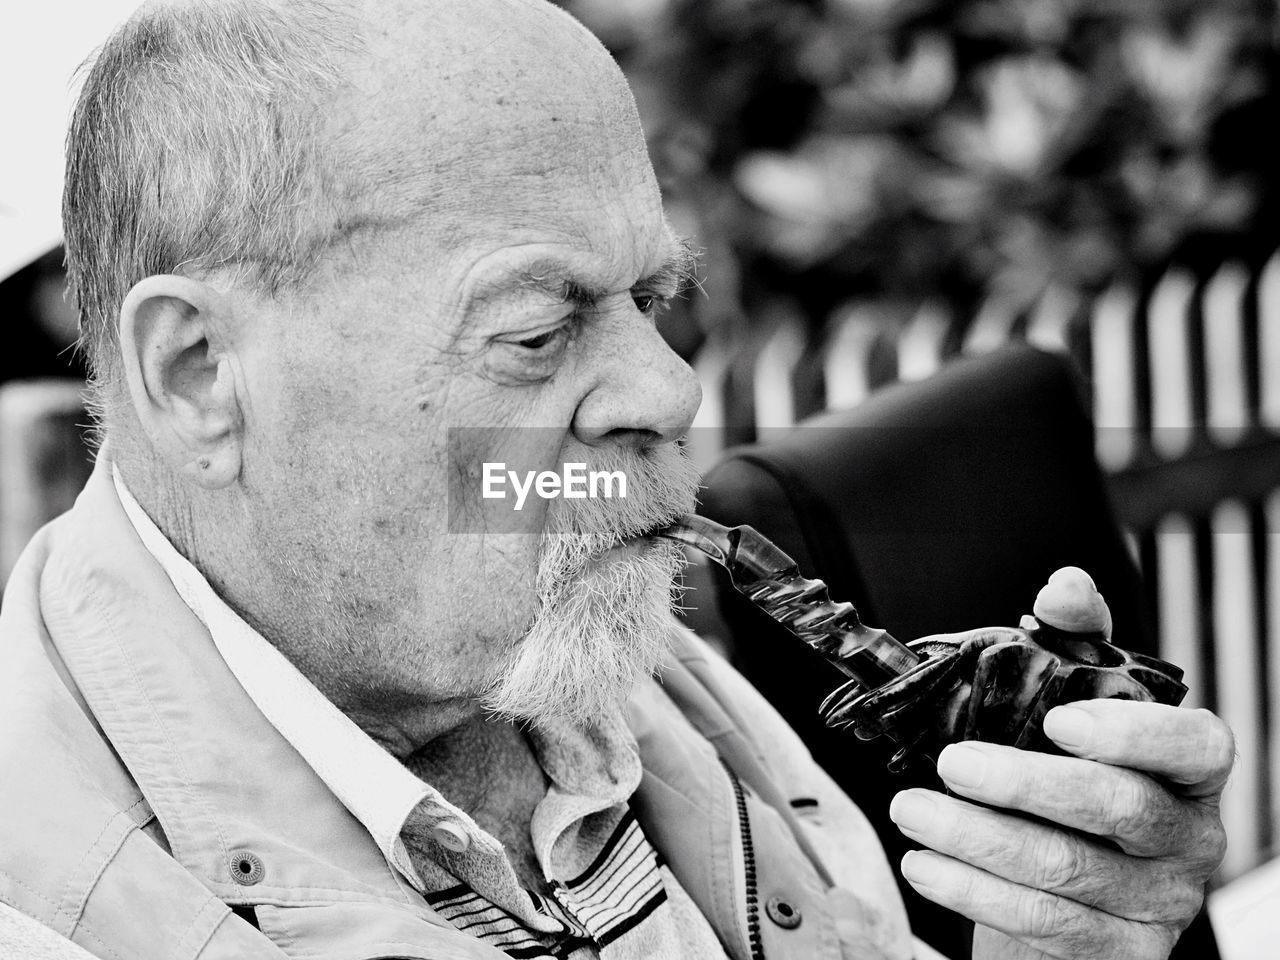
[[631, 547]]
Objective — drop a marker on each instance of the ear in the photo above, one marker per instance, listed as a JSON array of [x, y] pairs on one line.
[[180, 373]]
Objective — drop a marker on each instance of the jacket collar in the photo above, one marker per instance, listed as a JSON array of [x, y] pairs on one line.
[[187, 731]]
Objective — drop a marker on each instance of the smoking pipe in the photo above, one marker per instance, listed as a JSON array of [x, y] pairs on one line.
[[993, 684]]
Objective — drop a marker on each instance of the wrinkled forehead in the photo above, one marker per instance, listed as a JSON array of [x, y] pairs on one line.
[[489, 107]]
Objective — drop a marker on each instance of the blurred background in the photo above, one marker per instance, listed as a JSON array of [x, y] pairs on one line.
[[878, 186]]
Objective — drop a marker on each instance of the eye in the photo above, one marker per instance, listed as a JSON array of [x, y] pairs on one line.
[[647, 303], [531, 356], [541, 340]]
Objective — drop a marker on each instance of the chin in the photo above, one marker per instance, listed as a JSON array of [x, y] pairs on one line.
[[595, 636]]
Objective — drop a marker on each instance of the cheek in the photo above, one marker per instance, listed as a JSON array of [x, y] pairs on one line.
[[352, 474], [488, 581], [440, 584]]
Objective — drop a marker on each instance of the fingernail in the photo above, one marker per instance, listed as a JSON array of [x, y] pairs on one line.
[[1069, 726], [963, 765], [912, 810], [919, 868]]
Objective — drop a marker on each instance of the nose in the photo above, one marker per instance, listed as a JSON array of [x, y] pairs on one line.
[[642, 392]]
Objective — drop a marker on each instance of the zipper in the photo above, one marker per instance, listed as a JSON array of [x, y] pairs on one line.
[[749, 864]]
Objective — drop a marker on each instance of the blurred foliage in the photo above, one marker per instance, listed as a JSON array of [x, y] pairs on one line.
[[914, 150]]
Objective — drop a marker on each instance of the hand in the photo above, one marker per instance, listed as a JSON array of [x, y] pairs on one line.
[[1127, 838]]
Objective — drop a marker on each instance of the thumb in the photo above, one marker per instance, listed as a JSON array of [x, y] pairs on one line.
[[1071, 602]]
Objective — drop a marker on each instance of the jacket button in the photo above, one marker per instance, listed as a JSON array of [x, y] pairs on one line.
[[451, 835], [783, 912], [246, 867]]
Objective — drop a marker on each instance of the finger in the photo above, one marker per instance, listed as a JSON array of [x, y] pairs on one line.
[[1142, 816], [1045, 858], [983, 636], [1190, 747], [991, 944], [1052, 924]]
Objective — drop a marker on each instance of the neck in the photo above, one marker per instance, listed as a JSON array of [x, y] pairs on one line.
[[462, 761], [408, 728], [162, 500], [211, 530], [488, 768]]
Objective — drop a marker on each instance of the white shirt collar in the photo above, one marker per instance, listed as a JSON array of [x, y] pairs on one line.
[[378, 790]]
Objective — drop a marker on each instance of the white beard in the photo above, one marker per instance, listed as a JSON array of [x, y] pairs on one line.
[[603, 624]]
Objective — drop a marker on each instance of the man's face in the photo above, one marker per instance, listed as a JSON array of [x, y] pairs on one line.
[[523, 299]]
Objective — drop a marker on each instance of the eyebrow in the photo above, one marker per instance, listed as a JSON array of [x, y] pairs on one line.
[[678, 271]]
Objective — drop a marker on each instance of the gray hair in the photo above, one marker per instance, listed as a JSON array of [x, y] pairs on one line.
[[195, 144]]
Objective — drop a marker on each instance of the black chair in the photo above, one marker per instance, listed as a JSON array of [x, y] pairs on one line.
[[935, 506]]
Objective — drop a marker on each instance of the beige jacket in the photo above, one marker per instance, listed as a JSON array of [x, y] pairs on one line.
[[137, 779]]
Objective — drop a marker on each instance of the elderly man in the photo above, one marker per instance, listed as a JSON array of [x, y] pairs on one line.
[[282, 684]]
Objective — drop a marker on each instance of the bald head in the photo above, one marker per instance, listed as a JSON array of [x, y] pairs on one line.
[[455, 93], [253, 137], [452, 107]]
